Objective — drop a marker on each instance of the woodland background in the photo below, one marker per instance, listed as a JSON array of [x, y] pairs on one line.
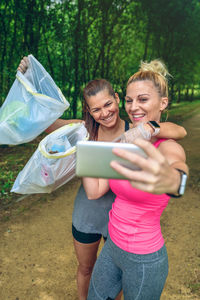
[[79, 40], [76, 41]]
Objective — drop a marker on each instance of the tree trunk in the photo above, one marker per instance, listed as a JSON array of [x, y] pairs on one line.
[[192, 94], [187, 94], [77, 43], [179, 95], [146, 45]]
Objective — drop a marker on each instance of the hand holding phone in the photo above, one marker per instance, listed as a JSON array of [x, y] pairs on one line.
[[93, 159]]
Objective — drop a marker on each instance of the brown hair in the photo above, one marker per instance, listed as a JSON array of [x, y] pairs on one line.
[[154, 71], [92, 88]]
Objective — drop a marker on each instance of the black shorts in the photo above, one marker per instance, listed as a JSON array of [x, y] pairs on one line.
[[86, 238]]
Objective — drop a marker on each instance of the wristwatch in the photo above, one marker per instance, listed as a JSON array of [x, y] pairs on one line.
[[182, 185], [155, 126]]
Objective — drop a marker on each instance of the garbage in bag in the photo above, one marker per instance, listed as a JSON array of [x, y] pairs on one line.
[[53, 163], [33, 103]]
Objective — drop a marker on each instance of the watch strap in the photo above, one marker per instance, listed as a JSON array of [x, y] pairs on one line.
[[155, 126], [182, 185]]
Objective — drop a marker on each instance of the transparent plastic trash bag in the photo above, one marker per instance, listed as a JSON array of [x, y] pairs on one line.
[[53, 163], [33, 103]]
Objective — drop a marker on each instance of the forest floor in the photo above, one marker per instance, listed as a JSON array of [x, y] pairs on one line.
[[37, 260]]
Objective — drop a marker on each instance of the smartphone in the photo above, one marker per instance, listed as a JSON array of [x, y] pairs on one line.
[[93, 159]]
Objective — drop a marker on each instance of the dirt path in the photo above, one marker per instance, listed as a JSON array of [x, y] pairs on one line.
[[37, 260]]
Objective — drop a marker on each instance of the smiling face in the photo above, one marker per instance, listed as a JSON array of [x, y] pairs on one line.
[[104, 108], [143, 102]]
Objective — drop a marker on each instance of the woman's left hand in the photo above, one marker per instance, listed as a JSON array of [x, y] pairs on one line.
[[23, 66], [156, 175]]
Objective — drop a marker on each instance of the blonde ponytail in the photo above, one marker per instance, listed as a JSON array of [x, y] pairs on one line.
[[156, 66], [155, 71]]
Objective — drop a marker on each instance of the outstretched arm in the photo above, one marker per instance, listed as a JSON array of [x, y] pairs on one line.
[[61, 122], [145, 131], [95, 187], [170, 130]]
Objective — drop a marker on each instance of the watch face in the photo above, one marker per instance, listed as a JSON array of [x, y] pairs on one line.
[[155, 124], [183, 182]]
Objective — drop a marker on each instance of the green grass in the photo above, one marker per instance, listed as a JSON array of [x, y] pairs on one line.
[[183, 110], [195, 288], [12, 161]]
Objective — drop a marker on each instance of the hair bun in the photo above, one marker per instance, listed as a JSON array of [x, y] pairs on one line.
[[156, 66]]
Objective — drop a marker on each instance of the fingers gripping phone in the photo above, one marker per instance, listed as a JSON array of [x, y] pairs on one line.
[[93, 159]]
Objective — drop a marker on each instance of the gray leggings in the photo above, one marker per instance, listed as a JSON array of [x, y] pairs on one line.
[[142, 277]]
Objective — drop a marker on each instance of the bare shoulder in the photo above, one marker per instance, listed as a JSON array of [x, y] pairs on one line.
[[171, 148], [170, 144]]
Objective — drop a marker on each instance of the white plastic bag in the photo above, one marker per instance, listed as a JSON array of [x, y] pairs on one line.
[[33, 103], [53, 163]]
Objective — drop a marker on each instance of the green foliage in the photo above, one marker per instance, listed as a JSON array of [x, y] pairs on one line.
[[7, 177], [77, 41], [11, 163]]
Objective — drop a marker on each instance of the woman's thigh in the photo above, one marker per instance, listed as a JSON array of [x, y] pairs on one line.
[[144, 276], [86, 246], [86, 253], [140, 276], [105, 282]]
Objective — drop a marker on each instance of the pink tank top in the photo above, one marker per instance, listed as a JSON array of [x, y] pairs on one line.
[[134, 220]]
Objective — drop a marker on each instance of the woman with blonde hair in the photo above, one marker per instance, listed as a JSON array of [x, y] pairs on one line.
[[134, 257], [102, 120]]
